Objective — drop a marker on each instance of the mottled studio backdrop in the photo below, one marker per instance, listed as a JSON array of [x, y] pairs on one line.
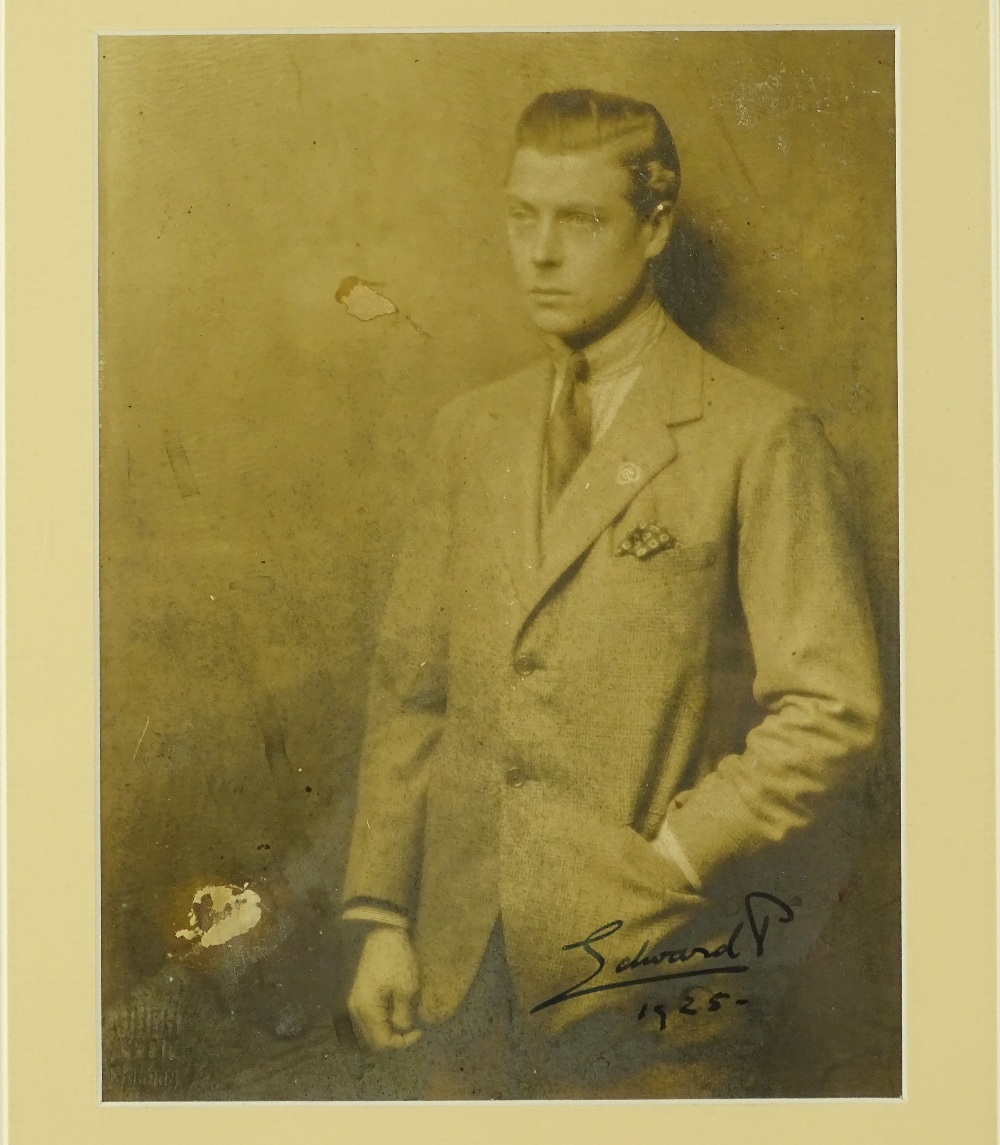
[[257, 441]]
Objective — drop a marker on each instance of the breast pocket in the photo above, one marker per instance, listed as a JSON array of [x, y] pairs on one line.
[[682, 557], [672, 594], [672, 557]]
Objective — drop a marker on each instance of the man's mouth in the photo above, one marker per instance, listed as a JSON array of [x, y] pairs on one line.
[[548, 292]]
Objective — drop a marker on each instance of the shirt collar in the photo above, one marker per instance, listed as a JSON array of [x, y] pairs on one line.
[[620, 350]]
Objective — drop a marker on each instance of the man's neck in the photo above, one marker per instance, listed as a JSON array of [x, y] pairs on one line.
[[642, 297]]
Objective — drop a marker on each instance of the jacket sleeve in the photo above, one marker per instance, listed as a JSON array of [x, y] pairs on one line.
[[407, 703], [816, 676]]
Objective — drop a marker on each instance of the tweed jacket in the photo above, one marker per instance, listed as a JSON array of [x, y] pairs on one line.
[[548, 692]]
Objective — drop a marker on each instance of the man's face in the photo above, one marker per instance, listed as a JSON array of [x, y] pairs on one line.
[[579, 249]]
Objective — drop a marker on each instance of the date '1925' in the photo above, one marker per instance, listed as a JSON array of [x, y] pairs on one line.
[[690, 1006]]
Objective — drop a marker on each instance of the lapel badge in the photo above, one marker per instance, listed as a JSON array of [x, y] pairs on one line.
[[644, 540], [628, 473]]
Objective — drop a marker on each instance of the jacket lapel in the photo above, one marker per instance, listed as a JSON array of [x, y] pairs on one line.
[[510, 458], [510, 462], [635, 448]]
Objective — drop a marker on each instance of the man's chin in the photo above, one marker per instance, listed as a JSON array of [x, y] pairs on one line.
[[551, 320]]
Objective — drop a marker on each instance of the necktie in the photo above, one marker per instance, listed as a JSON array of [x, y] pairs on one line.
[[568, 435]]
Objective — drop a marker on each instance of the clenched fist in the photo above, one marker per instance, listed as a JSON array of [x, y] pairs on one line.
[[384, 995]]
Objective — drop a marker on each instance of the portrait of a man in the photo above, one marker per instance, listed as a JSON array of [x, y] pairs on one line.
[[547, 747], [499, 615]]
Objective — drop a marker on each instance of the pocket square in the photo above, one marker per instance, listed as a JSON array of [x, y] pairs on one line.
[[645, 540]]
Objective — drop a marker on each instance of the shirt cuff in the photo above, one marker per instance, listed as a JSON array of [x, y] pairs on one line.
[[668, 845], [362, 908], [377, 915]]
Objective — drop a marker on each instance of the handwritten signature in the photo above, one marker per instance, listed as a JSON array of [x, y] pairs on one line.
[[758, 908]]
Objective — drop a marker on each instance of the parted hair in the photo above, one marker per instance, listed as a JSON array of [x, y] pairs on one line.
[[579, 119]]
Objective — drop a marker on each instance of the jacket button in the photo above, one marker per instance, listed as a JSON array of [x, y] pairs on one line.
[[516, 777], [525, 664]]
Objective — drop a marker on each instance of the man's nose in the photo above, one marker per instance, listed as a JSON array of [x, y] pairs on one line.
[[547, 248]]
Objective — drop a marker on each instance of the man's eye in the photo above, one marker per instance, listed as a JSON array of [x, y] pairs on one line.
[[582, 219], [519, 214]]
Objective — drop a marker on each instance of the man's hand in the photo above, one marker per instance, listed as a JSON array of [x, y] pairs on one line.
[[384, 993]]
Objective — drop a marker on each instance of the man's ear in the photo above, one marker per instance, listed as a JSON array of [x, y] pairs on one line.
[[659, 225]]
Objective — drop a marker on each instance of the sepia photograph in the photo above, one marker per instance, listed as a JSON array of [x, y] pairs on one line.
[[498, 529]]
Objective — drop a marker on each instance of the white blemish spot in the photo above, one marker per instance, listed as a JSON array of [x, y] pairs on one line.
[[362, 301], [219, 914]]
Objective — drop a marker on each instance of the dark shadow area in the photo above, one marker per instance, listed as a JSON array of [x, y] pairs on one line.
[[692, 279]]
